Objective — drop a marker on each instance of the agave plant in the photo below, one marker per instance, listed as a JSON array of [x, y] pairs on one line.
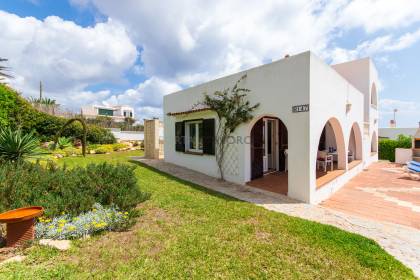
[[63, 142], [16, 145]]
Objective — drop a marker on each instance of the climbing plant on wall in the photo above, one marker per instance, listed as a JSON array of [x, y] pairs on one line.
[[232, 108]]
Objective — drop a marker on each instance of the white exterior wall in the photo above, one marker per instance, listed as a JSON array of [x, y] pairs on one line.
[[329, 95], [277, 87], [297, 80]]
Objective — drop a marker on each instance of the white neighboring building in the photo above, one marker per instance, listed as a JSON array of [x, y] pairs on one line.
[[118, 113], [393, 132], [305, 106]]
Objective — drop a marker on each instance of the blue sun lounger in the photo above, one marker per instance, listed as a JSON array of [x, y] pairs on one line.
[[415, 163], [413, 168]]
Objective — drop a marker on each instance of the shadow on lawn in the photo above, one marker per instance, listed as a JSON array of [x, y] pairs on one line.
[[188, 183]]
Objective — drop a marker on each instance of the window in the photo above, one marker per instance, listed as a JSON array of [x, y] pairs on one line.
[[125, 114], [105, 112], [194, 136], [131, 114]]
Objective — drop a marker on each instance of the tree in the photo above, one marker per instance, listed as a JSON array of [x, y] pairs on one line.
[[3, 74], [232, 109]]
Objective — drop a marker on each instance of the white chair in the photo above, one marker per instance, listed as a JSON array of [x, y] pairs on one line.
[[323, 158], [350, 156]]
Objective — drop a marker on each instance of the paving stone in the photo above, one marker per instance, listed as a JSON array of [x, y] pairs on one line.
[[61, 245], [17, 258]]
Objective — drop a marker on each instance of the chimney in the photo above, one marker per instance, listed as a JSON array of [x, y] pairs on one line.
[[392, 123]]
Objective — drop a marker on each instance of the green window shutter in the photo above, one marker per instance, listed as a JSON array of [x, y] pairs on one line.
[[209, 139], [179, 136]]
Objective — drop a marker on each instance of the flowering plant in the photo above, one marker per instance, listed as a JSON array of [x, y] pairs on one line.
[[67, 227]]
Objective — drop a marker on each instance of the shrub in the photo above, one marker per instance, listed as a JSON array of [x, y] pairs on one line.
[[16, 112], [88, 223], [103, 149], [15, 145], [72, 151], [119, 146], [68, 190], [387, 147]]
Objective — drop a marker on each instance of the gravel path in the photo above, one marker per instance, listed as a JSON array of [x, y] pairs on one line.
[[400, 241]]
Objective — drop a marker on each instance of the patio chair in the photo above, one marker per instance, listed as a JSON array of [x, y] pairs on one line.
[[323, 158]]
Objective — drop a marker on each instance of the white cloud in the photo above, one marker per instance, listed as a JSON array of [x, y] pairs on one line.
[[379, 45], [374, 15], [64, 55], [190, 41], [187, 42], [146, 98], [404, 107]]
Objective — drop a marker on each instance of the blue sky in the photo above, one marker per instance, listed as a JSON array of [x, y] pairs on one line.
[[134, 52]]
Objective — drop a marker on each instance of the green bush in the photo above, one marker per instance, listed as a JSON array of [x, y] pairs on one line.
[[387, 147], [119, 146], [72, 151], [72, 191], [16, 112], [103, 149], [63, 142]]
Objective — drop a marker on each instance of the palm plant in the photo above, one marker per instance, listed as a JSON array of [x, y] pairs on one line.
[[16, 145], [3, 69]]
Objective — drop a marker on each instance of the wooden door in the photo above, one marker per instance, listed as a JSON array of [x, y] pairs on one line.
[[257, 150]]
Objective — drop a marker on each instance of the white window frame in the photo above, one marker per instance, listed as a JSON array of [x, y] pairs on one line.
[[187, 136]]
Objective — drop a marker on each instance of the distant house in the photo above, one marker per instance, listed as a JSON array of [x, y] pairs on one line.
[[117, 113], [311, 116], [393, 132]]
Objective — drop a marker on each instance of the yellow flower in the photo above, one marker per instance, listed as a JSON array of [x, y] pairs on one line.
[[71, 228], [59, 230], [125, 213], [51, 226]]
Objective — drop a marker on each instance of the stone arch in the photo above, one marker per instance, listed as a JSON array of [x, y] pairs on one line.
[[355, 141], [373, 95], [332, 137]]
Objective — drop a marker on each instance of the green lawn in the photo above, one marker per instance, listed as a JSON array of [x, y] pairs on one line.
[[188, 232]]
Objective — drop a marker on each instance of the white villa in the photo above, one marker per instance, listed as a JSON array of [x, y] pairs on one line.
[[315, 129], [117, 113]]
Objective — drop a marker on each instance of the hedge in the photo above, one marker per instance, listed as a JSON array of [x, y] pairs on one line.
[[387, 147], [15, 111], [72, 191]]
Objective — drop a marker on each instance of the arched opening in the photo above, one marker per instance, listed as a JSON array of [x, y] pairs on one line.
[[269, 144], [374, 143], [331, 155], [373, 96], [354, 156]]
